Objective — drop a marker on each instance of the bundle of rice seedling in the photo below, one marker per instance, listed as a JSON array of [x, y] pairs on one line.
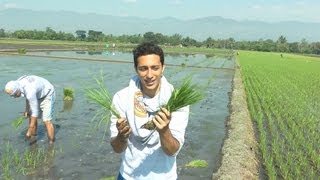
[[68, 94], [17, 122], [101, 97], [197, 164], [186, 94]]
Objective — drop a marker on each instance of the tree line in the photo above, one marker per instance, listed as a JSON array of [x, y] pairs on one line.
[[268, 45]]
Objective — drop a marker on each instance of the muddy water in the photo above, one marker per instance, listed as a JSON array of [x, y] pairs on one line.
[[82, 150]]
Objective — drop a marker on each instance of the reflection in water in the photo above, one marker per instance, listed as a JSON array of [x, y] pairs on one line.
[[67, 105], [209, 55], [81, 52], [94, 52]]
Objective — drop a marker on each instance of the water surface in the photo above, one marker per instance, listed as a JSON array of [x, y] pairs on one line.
[[82, 150]]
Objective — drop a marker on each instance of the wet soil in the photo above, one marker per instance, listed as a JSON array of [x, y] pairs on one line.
[[239, 152]]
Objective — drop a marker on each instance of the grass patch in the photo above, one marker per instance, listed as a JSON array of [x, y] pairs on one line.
[[197, 164], [108, 178], [22, 51]]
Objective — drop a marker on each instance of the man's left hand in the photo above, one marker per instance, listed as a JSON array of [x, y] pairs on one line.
[[162, 119]]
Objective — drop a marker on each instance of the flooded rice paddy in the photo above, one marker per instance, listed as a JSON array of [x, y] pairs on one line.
[[82, 149]]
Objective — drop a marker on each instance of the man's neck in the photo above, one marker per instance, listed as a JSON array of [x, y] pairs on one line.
[[151, 93]]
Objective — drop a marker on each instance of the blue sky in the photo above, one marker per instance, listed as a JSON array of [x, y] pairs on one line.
[[265, 10]]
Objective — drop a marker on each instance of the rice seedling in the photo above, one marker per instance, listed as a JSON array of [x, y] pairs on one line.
[[22, 51], [68, 94], [17, 122], [197, 164], [186, 94], [24, 162], [101, 96]]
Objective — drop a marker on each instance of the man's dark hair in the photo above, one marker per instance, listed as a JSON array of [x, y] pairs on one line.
[[147, 48]]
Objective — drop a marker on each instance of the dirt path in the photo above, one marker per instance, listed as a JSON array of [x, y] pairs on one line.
[[239, 158]]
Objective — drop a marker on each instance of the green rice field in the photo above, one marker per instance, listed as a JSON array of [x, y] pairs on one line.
[[284, 102]]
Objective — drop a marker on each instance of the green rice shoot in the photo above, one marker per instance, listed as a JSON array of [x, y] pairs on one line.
[[17, 122], [186, 94], [100, 96], [197, 164]]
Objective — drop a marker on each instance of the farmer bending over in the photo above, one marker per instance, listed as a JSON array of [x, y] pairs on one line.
[[40, 97]]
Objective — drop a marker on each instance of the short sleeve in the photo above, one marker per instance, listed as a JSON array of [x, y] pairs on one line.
[[178, 125], [118, 102]]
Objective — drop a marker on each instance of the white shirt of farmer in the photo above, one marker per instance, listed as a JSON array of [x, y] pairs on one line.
[[34, 88]]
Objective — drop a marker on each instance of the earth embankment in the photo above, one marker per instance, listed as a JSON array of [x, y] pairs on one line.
[[239, 152]]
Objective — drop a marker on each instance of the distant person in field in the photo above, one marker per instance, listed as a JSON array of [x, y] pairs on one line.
[[40, 98], [147, 154]]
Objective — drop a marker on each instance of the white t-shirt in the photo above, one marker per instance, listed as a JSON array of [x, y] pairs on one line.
[[147, 160]]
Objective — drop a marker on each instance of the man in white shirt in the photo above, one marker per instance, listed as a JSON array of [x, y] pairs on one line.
[[147, 153], [40, 98]]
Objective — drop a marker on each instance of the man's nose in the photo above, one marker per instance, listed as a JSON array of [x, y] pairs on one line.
[[149, 73]]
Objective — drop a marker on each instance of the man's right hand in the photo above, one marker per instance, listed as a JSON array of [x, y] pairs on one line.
[[25, 114], [119, 143], [124, 129]]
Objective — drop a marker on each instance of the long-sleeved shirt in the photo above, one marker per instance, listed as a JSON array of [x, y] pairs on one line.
[[35, 88]]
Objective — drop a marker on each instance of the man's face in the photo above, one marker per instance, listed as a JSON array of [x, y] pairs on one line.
[[15, 94], [149, 70]]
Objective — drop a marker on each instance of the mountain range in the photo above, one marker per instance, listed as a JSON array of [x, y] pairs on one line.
[[215, 27]]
